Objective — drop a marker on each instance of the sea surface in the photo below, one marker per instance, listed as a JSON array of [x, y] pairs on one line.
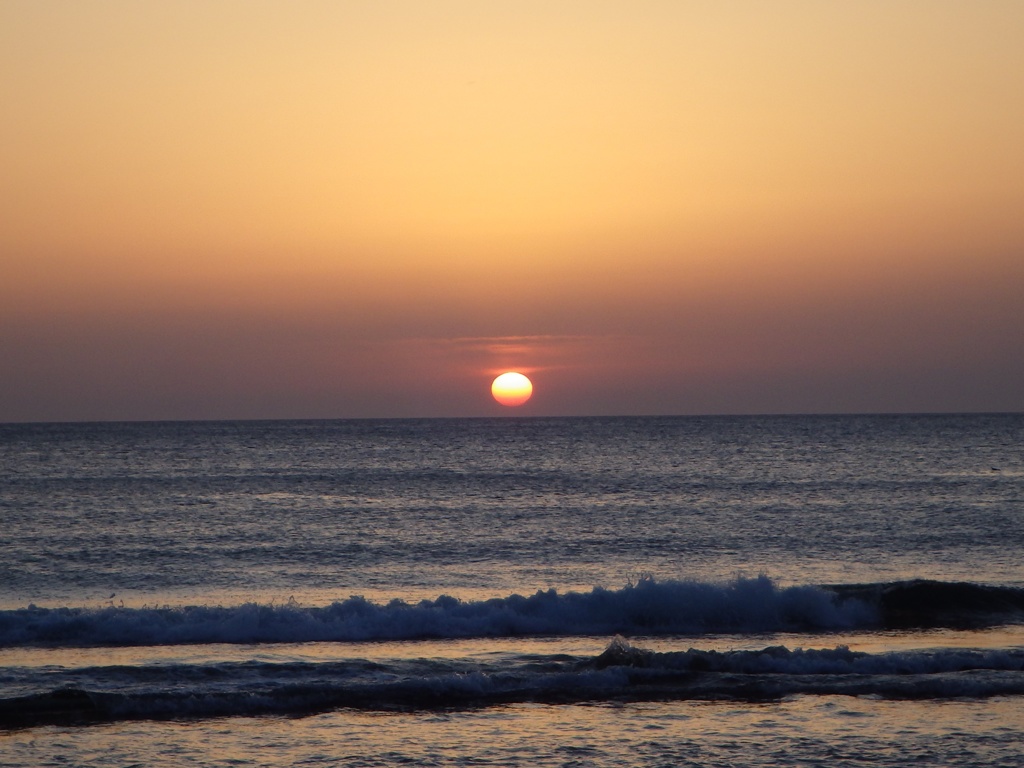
[[741, 591]]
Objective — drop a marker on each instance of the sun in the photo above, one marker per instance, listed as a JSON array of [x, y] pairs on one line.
[[512, 388]]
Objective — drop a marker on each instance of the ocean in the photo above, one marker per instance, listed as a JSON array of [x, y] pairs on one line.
[[684, 591]]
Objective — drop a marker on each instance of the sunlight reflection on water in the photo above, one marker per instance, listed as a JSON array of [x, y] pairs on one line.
[[806, 731]]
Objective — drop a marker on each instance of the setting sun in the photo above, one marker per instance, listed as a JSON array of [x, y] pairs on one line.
[[512, 388], [662, 208]]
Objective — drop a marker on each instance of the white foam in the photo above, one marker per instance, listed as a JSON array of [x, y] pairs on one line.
[[648, 607]]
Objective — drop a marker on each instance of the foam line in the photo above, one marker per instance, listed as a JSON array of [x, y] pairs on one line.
[[648, 607]]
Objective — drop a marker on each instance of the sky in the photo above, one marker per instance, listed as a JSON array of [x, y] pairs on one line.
[[251, 209]]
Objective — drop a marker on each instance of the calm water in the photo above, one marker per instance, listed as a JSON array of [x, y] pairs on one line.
[[636, 591]]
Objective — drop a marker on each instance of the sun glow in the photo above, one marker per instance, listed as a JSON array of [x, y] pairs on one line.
[[512, 388]]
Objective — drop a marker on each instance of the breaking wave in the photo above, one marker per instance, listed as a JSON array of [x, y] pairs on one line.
[[623, 672], [648, 607]]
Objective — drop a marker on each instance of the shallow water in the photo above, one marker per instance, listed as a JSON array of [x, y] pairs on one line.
[[804, 731]]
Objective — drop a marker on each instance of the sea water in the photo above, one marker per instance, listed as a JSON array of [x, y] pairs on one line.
[[829, 590]]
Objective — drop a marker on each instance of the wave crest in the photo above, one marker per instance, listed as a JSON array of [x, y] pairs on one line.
[[647, 607]]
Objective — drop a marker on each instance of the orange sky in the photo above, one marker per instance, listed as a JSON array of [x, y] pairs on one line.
[[327, 209]]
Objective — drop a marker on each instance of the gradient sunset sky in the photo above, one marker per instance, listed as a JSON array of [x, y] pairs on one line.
[[369, 209]]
